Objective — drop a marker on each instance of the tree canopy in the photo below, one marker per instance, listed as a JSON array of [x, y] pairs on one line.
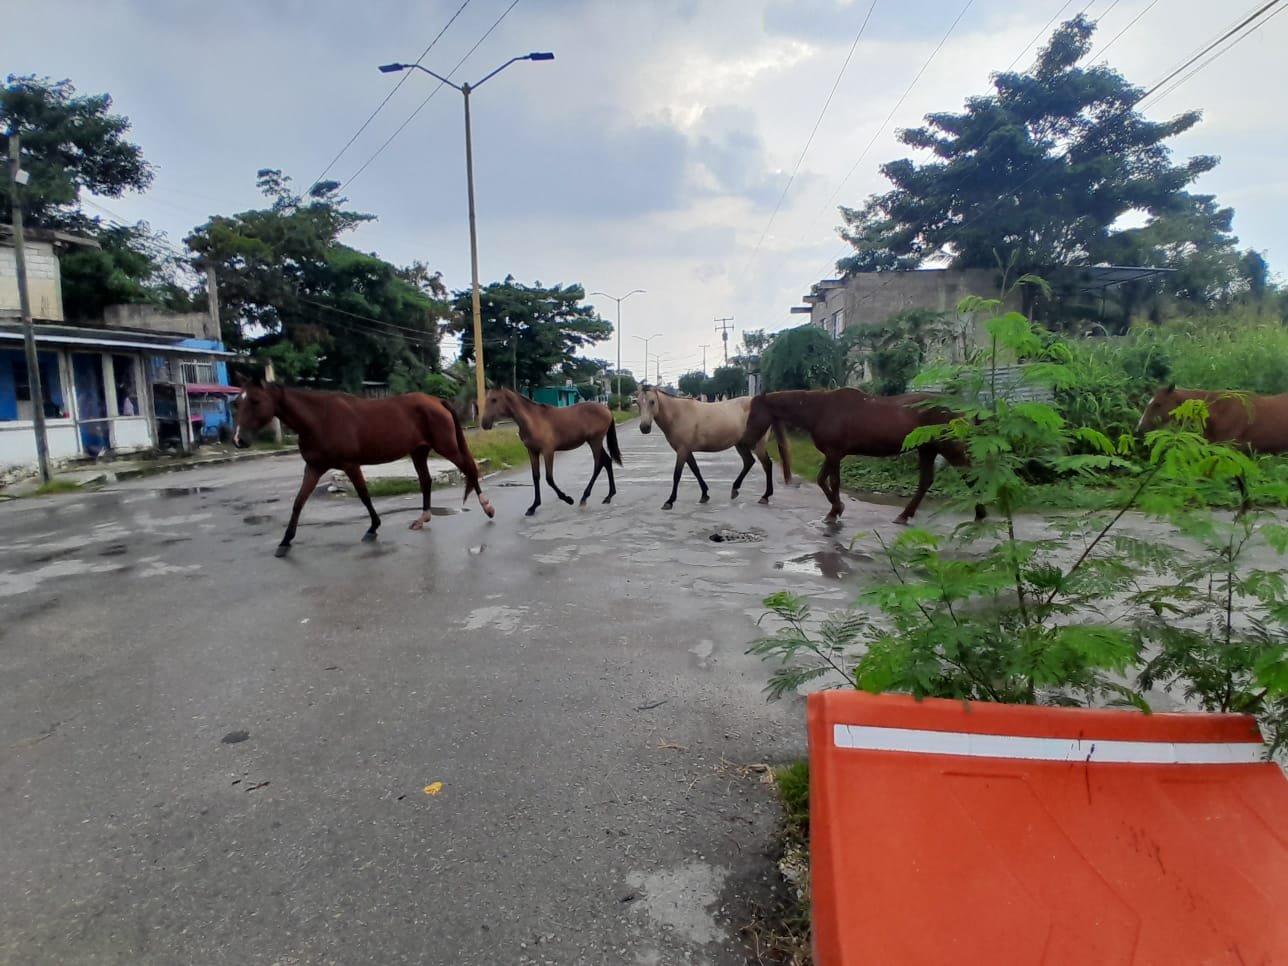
[[1038, 174], [290, 290], [805, 357], [692, 383], [70, 143], [531, 334]]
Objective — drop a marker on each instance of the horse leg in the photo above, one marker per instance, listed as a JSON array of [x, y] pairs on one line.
[[680, 458], [956, 457], [829, 481], [535, 459], [692, 462], [925, 476], [1244, 504], [311, 476], [596, 447], [612, 484], [354, 473], [762, 454], [747, 462], [420, 460], [550, 478]]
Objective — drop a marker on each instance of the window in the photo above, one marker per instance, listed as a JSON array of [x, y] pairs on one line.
[[198, 372], [15, 386], [838, 323]]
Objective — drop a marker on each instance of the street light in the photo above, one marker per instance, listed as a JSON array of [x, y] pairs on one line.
[[655, 335], [465, 90], [619, 301]]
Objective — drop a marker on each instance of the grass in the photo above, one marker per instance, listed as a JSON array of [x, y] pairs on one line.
[[56, 486], [623, 415], [501, 448], [897, 478], [782, 934], [393, 486]]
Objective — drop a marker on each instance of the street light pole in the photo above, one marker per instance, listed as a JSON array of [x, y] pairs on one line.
[[465, 90], [655, 335], [35, 390], [619, 301]]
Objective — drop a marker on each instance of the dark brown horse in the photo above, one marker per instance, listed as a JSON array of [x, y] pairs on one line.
[[847, 422], [1255, 424], [546, 430], [342, 432]]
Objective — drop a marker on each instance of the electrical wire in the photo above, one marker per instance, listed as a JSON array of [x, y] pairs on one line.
[[439, 86]]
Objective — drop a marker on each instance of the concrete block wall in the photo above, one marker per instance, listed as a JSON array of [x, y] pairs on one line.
[[44, 282]]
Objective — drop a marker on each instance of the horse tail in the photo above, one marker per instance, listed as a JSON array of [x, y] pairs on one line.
[[468, 466], [613, 451], [784, 450]]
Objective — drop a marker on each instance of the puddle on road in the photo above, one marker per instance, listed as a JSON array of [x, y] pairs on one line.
[[171, 492], [730, 535], [833, 564]]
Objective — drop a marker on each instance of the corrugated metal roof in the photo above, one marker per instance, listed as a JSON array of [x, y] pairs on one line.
[[100, 342]]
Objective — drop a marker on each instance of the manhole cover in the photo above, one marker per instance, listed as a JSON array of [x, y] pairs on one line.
[[729, 535]]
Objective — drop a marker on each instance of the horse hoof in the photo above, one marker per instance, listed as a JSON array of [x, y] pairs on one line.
[[607, 499], [531, 510], [567, 499], [902, 521], [282, 550], [415, 525], [706, 498], [489, 509], [582, 504], [733, 495], [369, 536], [667, 505], [764, 500]]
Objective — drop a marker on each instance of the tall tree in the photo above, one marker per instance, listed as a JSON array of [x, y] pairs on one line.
[[1036, 173], [727, 381], [805, 357], [288, 285], [70, 143], [531, 334], [692, 383]]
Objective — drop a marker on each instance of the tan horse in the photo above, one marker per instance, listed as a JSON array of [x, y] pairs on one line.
[[1256, 424], [692, 426], [546, 430]]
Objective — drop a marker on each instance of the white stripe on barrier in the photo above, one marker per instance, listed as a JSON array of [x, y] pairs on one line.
[[916, 741]]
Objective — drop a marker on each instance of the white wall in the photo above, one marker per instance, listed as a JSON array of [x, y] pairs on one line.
[[18, 442], [131, 432]]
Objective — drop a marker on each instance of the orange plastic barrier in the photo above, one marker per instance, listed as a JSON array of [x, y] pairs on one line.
[[946, 832]]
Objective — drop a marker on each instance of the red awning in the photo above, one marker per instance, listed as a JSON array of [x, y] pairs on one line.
[[201, 389]]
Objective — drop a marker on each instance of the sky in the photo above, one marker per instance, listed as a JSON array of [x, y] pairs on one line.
[[664, 148]]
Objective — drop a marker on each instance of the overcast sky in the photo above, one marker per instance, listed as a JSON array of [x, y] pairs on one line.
[[649, 154]]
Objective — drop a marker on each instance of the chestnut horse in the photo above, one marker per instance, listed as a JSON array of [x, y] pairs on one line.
[[546, 430], [848, 422], [1255, 424], [692, 426], [342, 432]]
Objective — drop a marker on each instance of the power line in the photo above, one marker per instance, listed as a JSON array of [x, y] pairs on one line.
[[810, 140], [439, 86], [1131, 23], [1036, 37], [897, 104], [394, 90]]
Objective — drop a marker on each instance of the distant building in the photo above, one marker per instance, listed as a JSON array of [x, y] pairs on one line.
[[116, 385]]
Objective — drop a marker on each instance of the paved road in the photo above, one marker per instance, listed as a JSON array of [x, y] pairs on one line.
[[208, 755]]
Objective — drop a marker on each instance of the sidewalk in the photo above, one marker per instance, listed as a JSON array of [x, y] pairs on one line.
[[109, 471]]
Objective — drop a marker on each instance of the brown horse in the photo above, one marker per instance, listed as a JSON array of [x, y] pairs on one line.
[[1255, 424], [847, 422], [342, 432], [692, 426], [546, 430]]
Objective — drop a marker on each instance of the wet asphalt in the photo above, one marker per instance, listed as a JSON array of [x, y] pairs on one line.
[[525, 740]]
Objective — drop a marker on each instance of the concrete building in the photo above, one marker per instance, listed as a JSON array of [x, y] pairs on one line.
[[119, 385]]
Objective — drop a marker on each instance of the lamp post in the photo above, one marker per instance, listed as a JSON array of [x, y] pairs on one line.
[[655, 335], [619, 301], [465, 90]]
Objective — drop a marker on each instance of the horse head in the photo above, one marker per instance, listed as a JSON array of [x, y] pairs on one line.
[[1159, 410], [254, 408], [647, 401], [495, 405]]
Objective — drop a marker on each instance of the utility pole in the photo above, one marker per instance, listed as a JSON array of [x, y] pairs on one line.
[[723, 327], [17, 178], [705, 346]]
